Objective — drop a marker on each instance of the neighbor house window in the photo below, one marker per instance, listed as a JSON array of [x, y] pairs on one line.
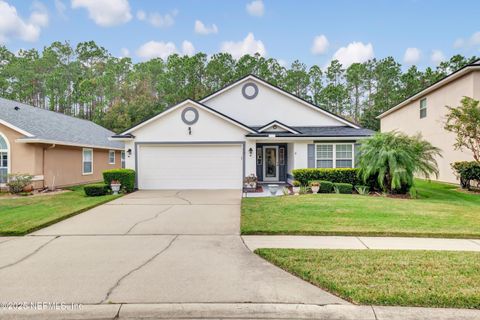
[[331, 155], [3, 160], [122, 158], [87, 161], [111, 156], [423, 108]]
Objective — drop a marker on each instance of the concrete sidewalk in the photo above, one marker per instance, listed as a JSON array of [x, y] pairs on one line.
[[243, 311], [340, 242]]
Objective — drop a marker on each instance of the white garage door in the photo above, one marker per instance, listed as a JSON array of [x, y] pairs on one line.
[[190, 166]]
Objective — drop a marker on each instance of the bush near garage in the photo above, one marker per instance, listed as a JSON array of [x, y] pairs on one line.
[[345, 188], [125, 176], [97, 189]]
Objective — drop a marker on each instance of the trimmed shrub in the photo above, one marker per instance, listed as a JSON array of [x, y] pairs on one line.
[[466, 172], [346, 188], [345, 175], [97, 189], [326, 187], [125, 176]]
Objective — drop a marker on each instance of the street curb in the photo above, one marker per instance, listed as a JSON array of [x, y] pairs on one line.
[[244, 311]]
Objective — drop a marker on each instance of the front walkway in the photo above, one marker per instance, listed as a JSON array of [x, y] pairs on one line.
[[344, 242]]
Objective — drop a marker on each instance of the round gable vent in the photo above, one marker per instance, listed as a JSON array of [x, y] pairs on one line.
[[190, 116], [249, 90]]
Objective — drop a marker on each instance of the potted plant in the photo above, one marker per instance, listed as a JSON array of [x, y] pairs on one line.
[[314, 186], [296, 187], [250, 182], [115, 185]]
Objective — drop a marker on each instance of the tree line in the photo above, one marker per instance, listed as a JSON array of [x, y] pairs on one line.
[[87, 81]]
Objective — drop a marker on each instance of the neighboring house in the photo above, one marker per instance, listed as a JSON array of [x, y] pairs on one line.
[[58, 150], [425, 113], [248, 127]]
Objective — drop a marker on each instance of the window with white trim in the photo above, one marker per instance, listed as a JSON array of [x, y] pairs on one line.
[[423, 108], [334, 155], [111, 156], [3, 160], [87, 161], [122, 158]]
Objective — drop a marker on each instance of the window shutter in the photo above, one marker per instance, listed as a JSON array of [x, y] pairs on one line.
[[356, 152], [311, 155]]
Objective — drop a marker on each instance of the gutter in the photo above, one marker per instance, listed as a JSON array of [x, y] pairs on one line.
[[63, 143]]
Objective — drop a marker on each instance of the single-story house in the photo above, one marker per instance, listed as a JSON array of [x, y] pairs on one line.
[[425, 113], [248, 127], [58, 150]]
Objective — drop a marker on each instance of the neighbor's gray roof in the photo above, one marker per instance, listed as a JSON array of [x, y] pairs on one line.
[[48, 125], [333, 131]]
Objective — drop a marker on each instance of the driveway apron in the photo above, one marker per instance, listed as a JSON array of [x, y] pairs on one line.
[[166, 246]]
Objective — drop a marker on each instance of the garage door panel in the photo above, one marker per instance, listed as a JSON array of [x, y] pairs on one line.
[[190, 167]]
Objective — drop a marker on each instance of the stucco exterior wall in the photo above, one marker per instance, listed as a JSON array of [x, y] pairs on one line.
[[63, 166], [407, 120]]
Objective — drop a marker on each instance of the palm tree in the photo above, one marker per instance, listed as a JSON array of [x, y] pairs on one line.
[[394, 158]]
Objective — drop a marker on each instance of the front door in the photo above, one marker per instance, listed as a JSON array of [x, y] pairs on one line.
[[270, 169]]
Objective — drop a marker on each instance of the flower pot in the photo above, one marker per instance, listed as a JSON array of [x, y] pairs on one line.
[[115, 187], [296, 190], [273, 188], [315, 189]]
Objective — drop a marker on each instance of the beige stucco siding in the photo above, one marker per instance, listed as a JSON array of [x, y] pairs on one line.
[[63, 166], [407, 120]]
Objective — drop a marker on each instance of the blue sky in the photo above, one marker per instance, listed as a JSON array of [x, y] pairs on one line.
[[418, 32]]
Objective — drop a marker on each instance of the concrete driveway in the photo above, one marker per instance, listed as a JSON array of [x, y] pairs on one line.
[[149, 247]]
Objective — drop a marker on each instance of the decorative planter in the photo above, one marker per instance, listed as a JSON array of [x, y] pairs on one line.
[[315, 189], [250, 185], [115, 187], [273, 188], [296, 190]]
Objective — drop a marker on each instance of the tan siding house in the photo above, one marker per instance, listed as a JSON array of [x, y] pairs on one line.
[[58, 150], [425, 113]]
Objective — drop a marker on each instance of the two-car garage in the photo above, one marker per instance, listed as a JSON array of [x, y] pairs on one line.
[[190, 166]]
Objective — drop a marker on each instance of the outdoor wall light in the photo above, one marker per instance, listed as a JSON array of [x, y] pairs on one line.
[[129, 151], [250, 152]]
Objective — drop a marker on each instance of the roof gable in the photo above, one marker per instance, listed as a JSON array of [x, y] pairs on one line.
[[277, 126], [183, 104], [218, 102]]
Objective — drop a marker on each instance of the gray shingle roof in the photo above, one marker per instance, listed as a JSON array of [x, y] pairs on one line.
[[333, 131], [48, 125]]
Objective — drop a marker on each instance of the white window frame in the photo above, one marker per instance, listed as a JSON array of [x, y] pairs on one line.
[[423, 108], [122, 159], [334, 154], [7, 151], [83, 161], [109, 154]]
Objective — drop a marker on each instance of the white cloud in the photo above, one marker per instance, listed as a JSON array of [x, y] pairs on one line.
[[256, 8], [320, 44], [437, 56], [124, 53], [160, 49], [105, 13], [472, 41], [61, 8], [200, 28], [412, 55], [188, 48], [354, 52], [14, 26], [247, 46], [157, 19]]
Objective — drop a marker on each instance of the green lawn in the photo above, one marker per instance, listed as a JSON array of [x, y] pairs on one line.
[[440, 211], [381, 277], [19, 216]]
